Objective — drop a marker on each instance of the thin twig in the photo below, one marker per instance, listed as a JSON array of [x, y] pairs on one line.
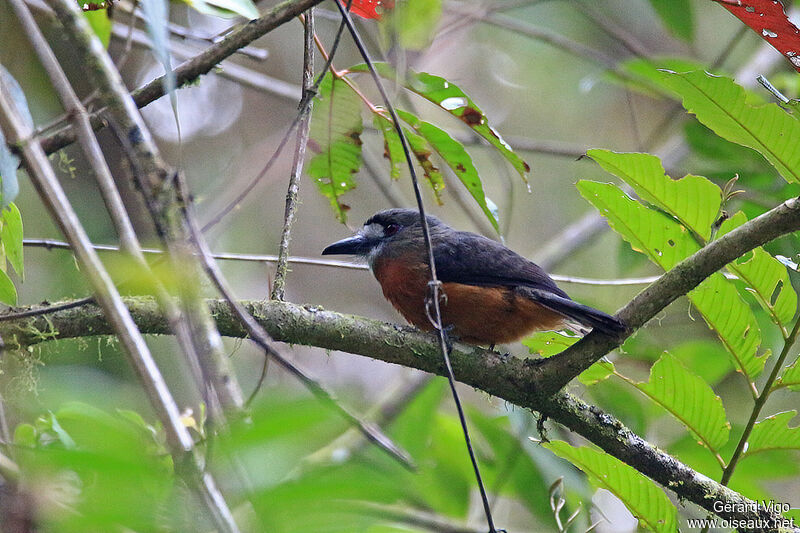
[[759, 404], [260, 336], [265, 258], [279, 283], [202, 63], [303, 109], [434, 286], [46, 183]]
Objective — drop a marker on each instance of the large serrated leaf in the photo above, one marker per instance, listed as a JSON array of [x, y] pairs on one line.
[[765, 276], [729, 111], [11, 237], [336, 128], [646, 501], [457, 158], [666, 242], [774, 433], [452, 99], [693, 200], [654, 234], [733, 321], [689, 399]]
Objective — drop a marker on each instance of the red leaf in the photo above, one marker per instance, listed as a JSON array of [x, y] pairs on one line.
[[369, 9], [768, 19]]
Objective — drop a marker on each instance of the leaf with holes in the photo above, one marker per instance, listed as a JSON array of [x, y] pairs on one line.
[[423, 151], [452, 99], [369, 9], [646, 501], [766, 278], [456, 157], [666, 242], [774, 433], [336, 128], [689, 399], [693, 200], [768, 19], [392, 147], [741, 117], [11, 237]]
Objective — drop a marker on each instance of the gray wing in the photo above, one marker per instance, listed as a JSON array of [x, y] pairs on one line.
[[476, 260]]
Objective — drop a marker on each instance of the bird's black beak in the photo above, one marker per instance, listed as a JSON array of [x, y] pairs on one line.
[[355, 245]]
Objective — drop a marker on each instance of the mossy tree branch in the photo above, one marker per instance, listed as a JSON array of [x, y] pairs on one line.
[[505, 377]]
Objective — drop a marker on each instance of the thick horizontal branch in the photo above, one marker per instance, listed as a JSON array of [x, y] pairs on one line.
[[506, 377], [678, 281]]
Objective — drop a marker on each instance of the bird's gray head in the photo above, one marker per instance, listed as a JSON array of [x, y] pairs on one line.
[[392, 231]]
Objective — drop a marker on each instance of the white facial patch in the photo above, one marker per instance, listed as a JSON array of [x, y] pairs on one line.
[[373, 232]]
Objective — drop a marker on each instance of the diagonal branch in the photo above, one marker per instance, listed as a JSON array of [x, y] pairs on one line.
[[684, 277]]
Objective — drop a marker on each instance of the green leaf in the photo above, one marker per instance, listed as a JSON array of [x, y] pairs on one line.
[[774, 433], [689, 399], [11, 237], [765, 277], [677, 16], [666, 242], [790, 377], [644, 74], [510, 458], [226, 8], [740, 116], [8, 293], [456, 157], [415, 21], [392, 147], [599, 371], [650, 232], [642, 497], [693, 200], [549, 343], [101, 24], [452, 99], [423, 151], [732, 319], [336, 128]]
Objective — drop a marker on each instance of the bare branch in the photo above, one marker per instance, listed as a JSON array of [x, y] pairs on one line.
[[307, 102]]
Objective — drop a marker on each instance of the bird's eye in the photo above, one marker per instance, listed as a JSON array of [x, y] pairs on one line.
[[391, 229]]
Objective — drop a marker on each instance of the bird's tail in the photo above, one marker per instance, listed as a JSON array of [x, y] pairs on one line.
[[583, 314]]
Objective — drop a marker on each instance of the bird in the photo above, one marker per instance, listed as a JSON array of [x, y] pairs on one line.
[[492, 294]]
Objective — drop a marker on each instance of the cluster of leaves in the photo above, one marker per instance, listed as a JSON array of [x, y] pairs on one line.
[[300, 469], [336, 129], [668, 221]]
